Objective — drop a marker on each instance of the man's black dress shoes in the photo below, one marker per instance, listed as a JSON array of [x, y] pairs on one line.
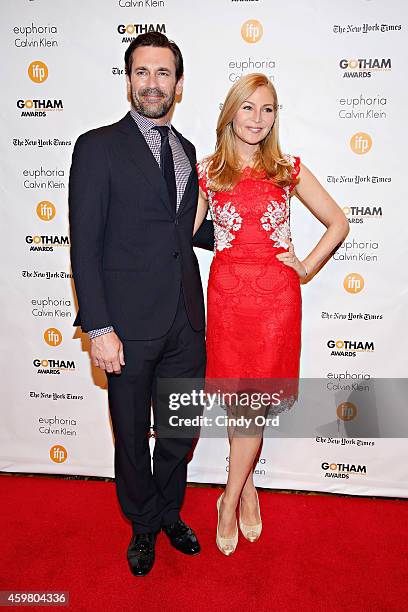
[[140, 553], [182, 537]]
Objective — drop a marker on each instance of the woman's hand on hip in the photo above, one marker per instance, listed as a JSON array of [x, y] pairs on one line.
[[290, 259]]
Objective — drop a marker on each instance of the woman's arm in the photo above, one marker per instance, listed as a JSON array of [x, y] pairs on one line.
[[314, 196], [202, 208]]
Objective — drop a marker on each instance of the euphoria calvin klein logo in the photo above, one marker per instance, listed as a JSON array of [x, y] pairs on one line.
[[354, 250], [141, 3], [51, 174], [35, 36], [38, 72], [51, 307]]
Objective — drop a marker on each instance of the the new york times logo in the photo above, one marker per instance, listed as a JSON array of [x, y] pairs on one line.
[[366, 28]]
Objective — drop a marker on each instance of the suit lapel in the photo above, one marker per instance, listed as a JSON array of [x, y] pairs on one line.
[[188, 150], [141, 155]]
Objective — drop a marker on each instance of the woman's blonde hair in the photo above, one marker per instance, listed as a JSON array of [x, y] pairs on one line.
[[224, 169]]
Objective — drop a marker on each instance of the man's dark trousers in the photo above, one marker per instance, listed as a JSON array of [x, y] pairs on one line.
[[151, 500]]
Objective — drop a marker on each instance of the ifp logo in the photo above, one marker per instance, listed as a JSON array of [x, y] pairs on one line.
[[38, 72], [361, 143], [58, 453], [346, 411], [353, 283], [53, 336], [252, 31], [45, 210]]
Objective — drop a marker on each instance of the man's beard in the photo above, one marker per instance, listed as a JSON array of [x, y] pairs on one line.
[[156, 110]]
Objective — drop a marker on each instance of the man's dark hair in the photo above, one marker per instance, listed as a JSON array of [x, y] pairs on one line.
[[154, 39]]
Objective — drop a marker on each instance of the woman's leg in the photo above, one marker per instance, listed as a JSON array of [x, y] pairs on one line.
[[249, 508], [243, 451]]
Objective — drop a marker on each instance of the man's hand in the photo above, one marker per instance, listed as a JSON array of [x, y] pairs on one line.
[[107, 353]]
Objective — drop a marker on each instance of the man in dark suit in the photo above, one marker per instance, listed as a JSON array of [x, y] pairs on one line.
[[132, 202]]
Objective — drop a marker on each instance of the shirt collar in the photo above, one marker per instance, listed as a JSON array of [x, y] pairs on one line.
[[144, 123]]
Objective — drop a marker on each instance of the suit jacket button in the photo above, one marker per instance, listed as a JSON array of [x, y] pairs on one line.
[[176, 254], [176, 221]]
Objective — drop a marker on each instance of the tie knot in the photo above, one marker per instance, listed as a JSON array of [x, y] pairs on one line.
[[163, 130]]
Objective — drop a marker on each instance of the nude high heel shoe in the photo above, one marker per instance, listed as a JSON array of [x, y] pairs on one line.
[[225, 545], [251, 532]]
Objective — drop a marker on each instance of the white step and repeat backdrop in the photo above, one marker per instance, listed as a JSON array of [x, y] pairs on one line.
[[340, 71]]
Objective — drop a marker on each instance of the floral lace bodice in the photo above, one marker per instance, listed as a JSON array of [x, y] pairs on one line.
[[255, 214]]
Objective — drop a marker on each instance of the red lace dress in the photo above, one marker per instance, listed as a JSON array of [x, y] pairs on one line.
[[253, 299]]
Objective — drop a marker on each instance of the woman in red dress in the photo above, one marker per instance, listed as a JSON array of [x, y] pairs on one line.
[[254, 297]]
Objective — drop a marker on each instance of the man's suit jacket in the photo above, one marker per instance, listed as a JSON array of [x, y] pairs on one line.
[[129, 250]]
